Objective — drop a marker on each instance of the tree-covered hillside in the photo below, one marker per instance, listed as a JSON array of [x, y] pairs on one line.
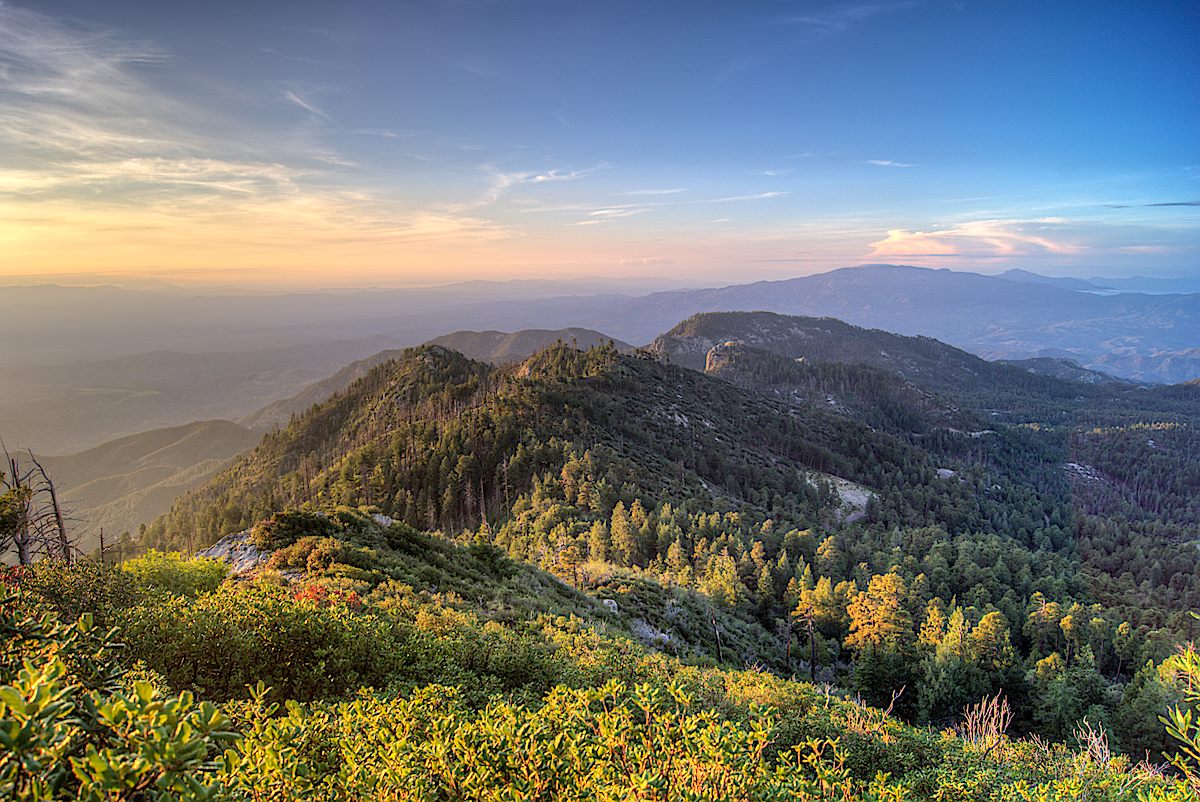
[[1004, 391], [496, 347], [866, 540]]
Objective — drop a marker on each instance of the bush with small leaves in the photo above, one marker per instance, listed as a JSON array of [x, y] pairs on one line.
[[286, 527], [72, 726], [73, 589], [217, 644], [176, 574]]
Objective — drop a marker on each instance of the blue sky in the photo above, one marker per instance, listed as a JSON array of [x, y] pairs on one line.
[[419, 141]]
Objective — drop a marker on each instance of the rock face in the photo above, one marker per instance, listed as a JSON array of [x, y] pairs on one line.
[[242, 556], [721, 356]]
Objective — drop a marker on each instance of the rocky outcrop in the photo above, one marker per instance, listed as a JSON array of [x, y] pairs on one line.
[[721, 356], [242, 556]]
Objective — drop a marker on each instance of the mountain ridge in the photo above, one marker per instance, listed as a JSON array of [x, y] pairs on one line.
[[1145, 337], [1002, 387], [496, 347]]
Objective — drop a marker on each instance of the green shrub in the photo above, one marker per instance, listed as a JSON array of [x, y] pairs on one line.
[[74, 725], [71, 726], [176, 574], [286, 527], [85, 586], [218, 644]]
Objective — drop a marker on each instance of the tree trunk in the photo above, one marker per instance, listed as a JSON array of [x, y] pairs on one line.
[[712, 616], [64, 545]]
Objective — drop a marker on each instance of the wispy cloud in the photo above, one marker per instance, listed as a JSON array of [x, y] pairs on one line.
[[95, 158], [887, 163], [607, 214], [653, 192], [814, 154], [500, 182], [383, 133], [647, 260], [307, 105], [561, 175], [839, 18], [214, 175], [616, 211], [1162, 204], [979, 238], [481, 71], [620, 211], [741, 198], [1146, 249], [68, 94]]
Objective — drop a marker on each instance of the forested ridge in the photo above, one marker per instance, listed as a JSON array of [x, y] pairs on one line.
[[854, 488], [1003, 391]]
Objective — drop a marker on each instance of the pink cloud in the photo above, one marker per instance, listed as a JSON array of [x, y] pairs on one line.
[[988, 238]]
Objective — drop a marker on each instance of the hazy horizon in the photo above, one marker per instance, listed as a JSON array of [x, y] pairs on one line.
[[202, 281]]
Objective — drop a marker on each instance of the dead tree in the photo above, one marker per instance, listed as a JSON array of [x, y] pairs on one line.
[[65, 547], [32, 521], [808, 617], [712, 616]]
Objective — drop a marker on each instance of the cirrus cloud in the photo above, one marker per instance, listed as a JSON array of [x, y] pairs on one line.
[[97, 162]]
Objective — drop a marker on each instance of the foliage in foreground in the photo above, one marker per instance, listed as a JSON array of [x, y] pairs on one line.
[[79, 719]]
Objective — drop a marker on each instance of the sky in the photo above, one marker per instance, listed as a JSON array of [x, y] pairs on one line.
[[392, 143]]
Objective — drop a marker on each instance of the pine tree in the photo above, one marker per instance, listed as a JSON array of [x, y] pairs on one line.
[[598, 542], [624, 537], [878, 618]]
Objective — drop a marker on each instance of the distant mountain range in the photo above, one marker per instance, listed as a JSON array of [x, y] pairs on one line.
[[763, 415], [819, 340], [1145, 337], [896, 383], [233, 355], [1006, 390], [1025, 277], [1061, 368], [1142, 284]]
